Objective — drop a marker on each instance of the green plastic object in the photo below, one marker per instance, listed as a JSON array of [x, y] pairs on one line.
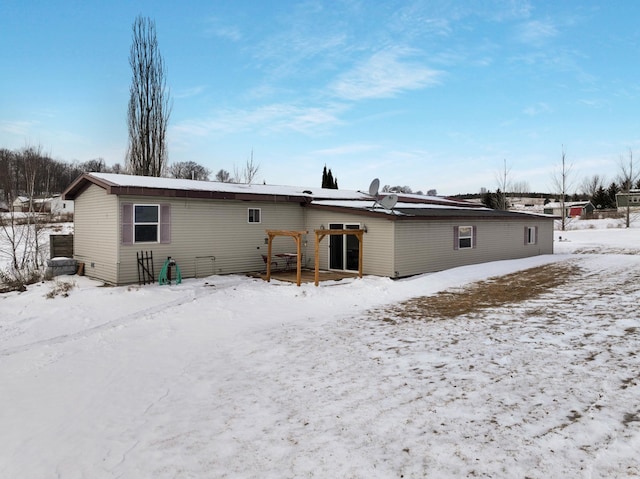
[[163, 278]]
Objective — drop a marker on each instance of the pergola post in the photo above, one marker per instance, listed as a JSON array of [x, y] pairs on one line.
[[297, 237], [269, 248]]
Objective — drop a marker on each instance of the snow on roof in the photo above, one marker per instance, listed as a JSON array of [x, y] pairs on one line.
[[407, 205], [372, 206], [216, 186], [567, 204], [412, 209]]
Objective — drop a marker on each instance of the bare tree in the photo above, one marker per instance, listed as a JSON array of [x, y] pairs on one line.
[[223, 176], [626, 178], [189, 170], [149, 104], [117, 168], [591, 184], [96, 165], [248, 173], [502, 179], [22, 242], [520, 188], [562, 181]]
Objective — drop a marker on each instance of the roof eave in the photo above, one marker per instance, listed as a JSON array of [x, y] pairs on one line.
[[81, 183]]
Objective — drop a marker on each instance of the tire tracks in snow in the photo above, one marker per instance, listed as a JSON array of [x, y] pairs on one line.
[[111, 324]]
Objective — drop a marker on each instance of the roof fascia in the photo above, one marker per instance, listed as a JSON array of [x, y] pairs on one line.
[[81, 183]]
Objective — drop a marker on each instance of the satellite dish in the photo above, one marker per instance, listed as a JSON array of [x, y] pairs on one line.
[[373, 187], [388, 202]]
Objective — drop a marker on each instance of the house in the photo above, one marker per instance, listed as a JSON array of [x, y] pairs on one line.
[[52, 205], [217, 228], [21, 204], [572, 209], [631, 199]]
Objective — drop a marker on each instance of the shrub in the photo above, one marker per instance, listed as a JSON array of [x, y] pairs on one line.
[[12, 280], [61, 288]]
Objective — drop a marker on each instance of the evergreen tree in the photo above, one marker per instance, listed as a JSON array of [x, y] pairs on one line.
[[611, 195], [600, 199], [327, 179], [490, 200]]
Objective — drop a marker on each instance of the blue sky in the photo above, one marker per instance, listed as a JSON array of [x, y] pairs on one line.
[[430, 94]]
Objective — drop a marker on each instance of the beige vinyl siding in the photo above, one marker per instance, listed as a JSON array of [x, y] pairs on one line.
[[426, 246], [213, 236], [96, 233], [378, 240]]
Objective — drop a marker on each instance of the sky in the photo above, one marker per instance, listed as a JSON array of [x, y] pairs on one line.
[[432, 94]]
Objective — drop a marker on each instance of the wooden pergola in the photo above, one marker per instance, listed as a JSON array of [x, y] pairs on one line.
[[320, 234], [297, 236]]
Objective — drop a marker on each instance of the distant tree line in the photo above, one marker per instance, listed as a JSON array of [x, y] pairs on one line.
[[32, 172], [600, 196]]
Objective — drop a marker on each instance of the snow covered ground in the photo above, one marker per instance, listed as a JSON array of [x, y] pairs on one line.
[[234, 377]]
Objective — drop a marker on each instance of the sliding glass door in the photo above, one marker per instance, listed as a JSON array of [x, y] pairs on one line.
[[344, 250]]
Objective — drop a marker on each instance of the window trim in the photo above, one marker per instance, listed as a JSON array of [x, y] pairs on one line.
[[156, 223], [249, 216], [530, 235], [458, 237], [127, 225]]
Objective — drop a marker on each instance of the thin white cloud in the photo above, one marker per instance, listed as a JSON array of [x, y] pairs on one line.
[[536, 32], [537, 109], [265, 119], [218, 29], [189, 92], [17, 127], [592, 103], [385, 74], [346, 149]]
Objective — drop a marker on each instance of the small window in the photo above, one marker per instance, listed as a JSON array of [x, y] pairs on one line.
[[465, 237], [254, 215], [146, 223], [530, 235]]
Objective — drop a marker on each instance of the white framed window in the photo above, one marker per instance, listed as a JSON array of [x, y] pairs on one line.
[[146, 223], [254, 215], [530, 235], [465, 237]]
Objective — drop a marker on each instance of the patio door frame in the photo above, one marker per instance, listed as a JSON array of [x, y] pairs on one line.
[[344, 250]]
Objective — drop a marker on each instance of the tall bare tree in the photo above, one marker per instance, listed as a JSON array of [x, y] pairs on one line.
[[562, 181], [248, 173], [149, 104], [627, 178], [502, 179]]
